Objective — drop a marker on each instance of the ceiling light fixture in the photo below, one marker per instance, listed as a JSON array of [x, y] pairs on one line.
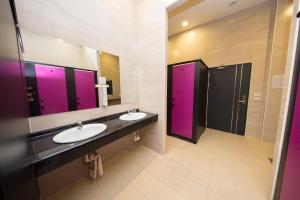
[[232, 3], [60, 40], [185, 23]]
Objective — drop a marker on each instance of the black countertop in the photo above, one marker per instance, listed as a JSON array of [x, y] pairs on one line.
[[48, 155]]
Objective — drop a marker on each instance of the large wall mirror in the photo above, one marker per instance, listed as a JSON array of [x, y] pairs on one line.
[[63, 76]]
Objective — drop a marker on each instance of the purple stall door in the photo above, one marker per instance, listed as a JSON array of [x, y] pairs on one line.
[[85, 89], [183, 77], [291, 178], [51, 82]]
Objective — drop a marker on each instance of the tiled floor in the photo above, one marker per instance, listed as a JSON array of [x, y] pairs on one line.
[[221, 166]]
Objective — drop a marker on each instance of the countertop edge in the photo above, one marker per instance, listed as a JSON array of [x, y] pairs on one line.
[[55, 160]]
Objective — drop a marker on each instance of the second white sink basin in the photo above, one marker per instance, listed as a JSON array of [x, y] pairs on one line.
[[133, 116], [77, 134]]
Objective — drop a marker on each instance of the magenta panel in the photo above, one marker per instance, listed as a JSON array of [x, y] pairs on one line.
[[51, 82], [291, 179], [13, 103], [85, 89], [183, 77]]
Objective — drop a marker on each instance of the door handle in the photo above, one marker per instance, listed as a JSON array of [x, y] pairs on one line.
[[243, 100]]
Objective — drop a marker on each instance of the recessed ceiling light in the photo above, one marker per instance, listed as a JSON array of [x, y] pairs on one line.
[[232, 3], [60, 40], [185, 23]]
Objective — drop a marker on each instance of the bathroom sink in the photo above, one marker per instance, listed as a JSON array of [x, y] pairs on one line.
[[132, 116], [77, 134]]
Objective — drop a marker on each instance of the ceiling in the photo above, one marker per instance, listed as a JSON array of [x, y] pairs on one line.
[[205, 11]]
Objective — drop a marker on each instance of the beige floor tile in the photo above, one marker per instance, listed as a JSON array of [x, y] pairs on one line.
[[129, 193], [221, 166], [248, 195], [219, 193], [200, 170], [112, 186], [144, 181], [156, 168], [180, 196], [160, 191], [192, 189], [172, 178]]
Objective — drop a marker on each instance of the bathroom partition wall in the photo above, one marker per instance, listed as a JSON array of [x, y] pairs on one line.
[[187, 89], [52, 89], [183, 82], [55, 89], [291, 175], [288, 179], [85, 89]]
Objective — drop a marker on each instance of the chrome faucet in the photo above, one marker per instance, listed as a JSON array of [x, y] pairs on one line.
[[79, 124], [131, 111]]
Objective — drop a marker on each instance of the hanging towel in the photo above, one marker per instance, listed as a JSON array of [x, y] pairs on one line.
[[102, 92]]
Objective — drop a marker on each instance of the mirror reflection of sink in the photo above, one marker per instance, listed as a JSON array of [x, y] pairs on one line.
[[77, 134], [133, 116]]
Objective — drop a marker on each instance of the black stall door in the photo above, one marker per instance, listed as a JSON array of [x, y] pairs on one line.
[[228, 98]]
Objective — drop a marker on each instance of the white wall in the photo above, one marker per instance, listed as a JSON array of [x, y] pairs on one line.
[[151, 53]]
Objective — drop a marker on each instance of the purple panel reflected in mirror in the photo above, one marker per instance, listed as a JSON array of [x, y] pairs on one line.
[[56, 89], [85, 89], [52, 89]]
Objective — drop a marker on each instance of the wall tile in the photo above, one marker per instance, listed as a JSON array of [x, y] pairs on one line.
[[239, 38]]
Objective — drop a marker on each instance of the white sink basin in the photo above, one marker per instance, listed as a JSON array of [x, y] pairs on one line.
[[76, 134], [132, 116]]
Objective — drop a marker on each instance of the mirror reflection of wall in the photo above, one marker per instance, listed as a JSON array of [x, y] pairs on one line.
[[110, 69]]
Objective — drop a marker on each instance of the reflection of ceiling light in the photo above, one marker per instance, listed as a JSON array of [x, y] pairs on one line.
[[192, 34], [184, 23], [176, 53], [60, 40], [289, 10], [232, 3], [231, 21]]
